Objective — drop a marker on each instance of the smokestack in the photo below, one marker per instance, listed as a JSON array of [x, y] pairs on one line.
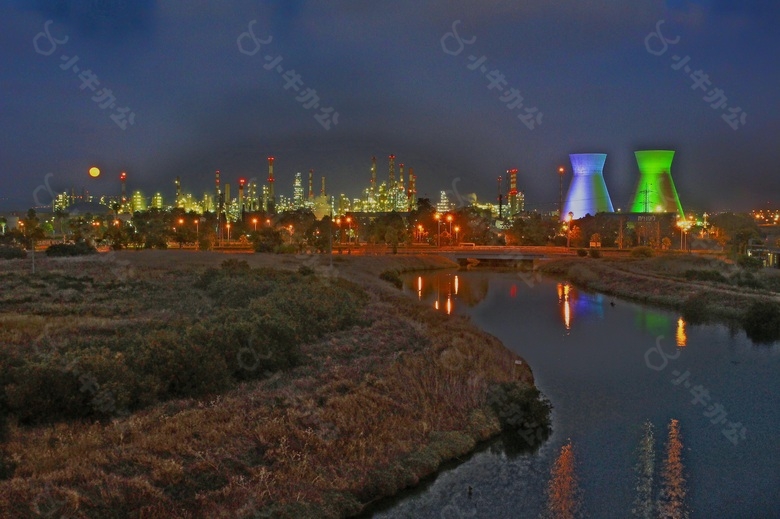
[[217, 194], [373, 176], [500, 200], [322, 190], [311, 184], [513, 191], [391, 188], [412, 190], [241, 183], [122, 179], [178, 191], [271, 196], [587, 192]]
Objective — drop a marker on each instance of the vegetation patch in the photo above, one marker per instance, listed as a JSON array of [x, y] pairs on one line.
[[11, 252], [70, 249], [392, 277], [762, 322]]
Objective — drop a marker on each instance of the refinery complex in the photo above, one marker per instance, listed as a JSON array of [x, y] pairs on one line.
[[587, 193]]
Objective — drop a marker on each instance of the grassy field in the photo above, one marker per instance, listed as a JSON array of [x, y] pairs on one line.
[[176, 384], [704, 289]]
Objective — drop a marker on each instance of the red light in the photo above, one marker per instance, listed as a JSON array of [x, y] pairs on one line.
[[241, 181], [123, 176]]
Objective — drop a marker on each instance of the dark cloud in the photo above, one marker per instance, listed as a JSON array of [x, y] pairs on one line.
[[202, 105]]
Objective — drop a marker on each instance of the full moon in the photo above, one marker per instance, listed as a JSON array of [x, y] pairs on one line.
[[94, 172]]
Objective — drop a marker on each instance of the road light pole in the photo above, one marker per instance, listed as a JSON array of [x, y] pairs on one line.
[[197, 234], [561, 172], [569, 218]]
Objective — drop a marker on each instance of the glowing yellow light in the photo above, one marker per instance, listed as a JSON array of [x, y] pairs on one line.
[[560, 292], [94, 172], [456, 285], [449, 305], [681, 336], [436, 304], [567, 314]]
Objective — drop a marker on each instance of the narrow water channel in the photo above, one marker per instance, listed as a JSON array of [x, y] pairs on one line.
[[600, 361]]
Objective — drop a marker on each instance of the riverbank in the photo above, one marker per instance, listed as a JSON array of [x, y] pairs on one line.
[[369, 409], [703, 289]]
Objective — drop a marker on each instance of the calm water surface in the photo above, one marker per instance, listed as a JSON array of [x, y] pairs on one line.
[[589, 356]]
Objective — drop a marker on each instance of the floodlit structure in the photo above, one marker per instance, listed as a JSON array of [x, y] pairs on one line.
[[655, 191], [587, 192]]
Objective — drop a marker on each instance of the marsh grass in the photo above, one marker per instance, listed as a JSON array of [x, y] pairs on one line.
[[380, 391]]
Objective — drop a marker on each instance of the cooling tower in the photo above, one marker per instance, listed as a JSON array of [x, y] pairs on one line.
[[587, 192], [655, 191]]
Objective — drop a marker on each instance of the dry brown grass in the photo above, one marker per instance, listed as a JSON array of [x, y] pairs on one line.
[[372, 410]]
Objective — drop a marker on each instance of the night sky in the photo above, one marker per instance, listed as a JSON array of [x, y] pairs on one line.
[[400, 85]]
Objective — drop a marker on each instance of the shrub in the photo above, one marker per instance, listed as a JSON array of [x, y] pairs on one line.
[[642, 252], [595, 253], [305, 270], [746, 279], [81, 248], [761, 322], [7, 252], [522, 410], [750, 263], [285, 248], [233, 266], [705, 275], [267, 240], [696, 308], [582, 253], [392, 277]]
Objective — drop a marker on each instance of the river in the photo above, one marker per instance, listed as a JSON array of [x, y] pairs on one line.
[[610, 366]]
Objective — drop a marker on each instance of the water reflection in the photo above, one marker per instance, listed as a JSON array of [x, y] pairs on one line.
[[680, 335], [671, 502], [598, 379], [564, 497], [444, 291]]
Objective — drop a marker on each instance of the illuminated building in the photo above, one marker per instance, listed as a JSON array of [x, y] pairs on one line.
[[655, 191], [298, 191], [444, 204], [157, 201], [138, 201], [587, 192]]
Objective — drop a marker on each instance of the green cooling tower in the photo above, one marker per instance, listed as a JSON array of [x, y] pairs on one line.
[[655, 191]]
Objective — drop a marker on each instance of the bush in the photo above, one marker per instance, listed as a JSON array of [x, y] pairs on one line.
[[696, 308], [266, 240], [750, 263], [524, 413], [595, 253], [746, 279], [81, 248], [642, 252], [761, 322], [7, 252], [285, 248], [392, 277], [582, 253], [705, 275]]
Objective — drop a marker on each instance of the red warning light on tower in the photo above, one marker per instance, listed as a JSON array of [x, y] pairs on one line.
[[123, 176], [241, 182]]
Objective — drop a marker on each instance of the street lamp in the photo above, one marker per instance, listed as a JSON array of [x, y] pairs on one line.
[[227, 225], [349, 232], [197, 233], [254, 221], [457, 230], [449, 219], [437, 217], [419, 233], [569, 218], [561, 172]]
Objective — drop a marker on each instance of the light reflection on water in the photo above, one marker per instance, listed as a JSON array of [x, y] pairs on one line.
[[588, 356]]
